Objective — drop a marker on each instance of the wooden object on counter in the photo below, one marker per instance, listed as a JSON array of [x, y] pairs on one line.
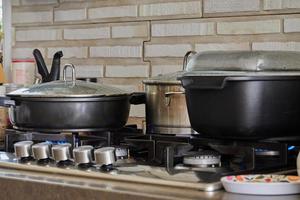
[[2, 77]]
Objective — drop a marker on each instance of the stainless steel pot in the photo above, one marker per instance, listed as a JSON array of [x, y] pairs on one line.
[[166, 110]]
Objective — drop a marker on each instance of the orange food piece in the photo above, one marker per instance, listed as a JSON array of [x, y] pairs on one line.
[[240, 178], [293, 178]]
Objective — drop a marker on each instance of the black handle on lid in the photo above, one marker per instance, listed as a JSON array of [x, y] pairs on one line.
[[55, 69], [41, 66]]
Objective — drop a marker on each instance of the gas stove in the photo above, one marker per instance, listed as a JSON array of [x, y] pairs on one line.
[[193, 162]]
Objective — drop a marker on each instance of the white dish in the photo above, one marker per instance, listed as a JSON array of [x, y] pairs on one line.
[[260, 184]]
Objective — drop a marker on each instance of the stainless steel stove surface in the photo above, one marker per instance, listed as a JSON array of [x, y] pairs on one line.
[[128, 155]]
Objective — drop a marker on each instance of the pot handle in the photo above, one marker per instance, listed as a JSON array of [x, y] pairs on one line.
[[73, 73], [168, 96], [186, 58], [7, 102], [137, 98]]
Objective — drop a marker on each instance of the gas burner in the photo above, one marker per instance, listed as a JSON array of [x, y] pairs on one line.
[[203, 159]]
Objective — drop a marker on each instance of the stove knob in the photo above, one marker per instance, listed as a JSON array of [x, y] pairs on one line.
[[61, 152], [121, 153], [83, 154], [41, 151], [105, 156], [23, 149]]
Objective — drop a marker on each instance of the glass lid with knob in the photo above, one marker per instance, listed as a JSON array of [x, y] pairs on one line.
[[68, 88]]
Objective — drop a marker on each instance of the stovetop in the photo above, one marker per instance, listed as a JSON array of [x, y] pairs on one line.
[[186, 161]]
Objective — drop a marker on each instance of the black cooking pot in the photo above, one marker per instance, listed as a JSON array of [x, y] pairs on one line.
[[243, 95], [69, 105]]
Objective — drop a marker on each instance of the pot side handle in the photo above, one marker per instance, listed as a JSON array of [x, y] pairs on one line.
[[186, 58], [7, 102], [168, 96], [137, 98]]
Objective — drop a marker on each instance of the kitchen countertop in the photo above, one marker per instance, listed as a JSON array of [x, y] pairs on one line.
[[20, 184]]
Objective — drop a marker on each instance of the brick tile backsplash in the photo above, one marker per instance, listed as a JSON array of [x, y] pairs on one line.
[[31, 17], [166, 50], [89, 71], [291, 25], [281, 4], [111, 12], [38, 35], [123, 42], [116, 51], [249, 27], [272, 4], [183, 29], [86, 33], [130, 31], [215, 6], [25, 52], [15, 2], [290, 4], [243, 46], [172, 8], [276, 46], [69, 15], [127, 71], [69, 52], [37, 2]]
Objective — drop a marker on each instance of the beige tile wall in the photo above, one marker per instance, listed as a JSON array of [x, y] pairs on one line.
[[124, 42]]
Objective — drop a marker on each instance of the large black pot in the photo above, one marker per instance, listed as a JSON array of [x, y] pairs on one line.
[[236, 104], [69, 106]]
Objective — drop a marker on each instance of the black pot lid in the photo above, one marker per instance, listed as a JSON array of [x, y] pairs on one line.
[[246, 63], [68, 89]]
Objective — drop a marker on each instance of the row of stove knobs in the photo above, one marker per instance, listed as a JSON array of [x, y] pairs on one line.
[[62, 152]]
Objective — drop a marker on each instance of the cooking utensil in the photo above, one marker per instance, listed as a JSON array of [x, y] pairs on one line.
[[55, 68], [243, 95], [42, 68], [68, 105], [166, 111]]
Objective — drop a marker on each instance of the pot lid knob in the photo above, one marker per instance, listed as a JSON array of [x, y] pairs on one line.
[[23, 149], [61, 152], [83, 154], [41, 151], [105, 156]]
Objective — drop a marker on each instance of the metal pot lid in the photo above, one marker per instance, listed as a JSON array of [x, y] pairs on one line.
[[243, 63], [68, 88], [170, 78]]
